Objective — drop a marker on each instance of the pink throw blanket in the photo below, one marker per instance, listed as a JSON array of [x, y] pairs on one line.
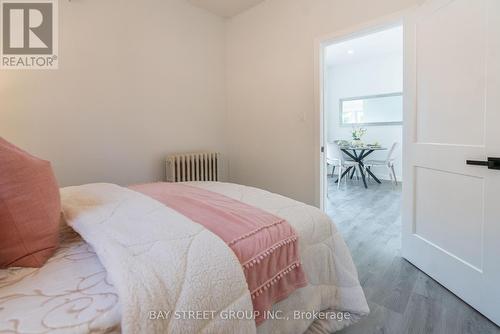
[[266, 245]]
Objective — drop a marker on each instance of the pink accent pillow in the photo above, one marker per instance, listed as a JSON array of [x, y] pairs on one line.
[[30, 208]]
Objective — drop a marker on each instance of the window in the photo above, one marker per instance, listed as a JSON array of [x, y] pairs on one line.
[[385, 109]]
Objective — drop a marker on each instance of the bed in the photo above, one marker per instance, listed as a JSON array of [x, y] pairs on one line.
[[75, 293]]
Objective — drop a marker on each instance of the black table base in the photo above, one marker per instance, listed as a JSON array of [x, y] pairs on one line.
[[359, 159]]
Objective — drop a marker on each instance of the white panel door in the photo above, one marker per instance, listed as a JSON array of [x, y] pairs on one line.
[[451, 210]]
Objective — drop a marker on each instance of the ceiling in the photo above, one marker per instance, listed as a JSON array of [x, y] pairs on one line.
[[226, 8], [374, 45]]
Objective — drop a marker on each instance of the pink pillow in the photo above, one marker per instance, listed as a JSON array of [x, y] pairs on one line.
[[30, 208]]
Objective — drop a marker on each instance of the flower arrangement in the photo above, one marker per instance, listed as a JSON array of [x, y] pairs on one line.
[[358, 133]]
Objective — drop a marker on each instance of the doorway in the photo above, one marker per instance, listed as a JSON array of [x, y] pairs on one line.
[[363, 113]]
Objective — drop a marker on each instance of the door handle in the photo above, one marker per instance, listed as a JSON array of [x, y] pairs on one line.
[[492, 163]]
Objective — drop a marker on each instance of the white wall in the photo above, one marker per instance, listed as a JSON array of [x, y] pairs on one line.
[[137, 80], [141, 79], [380, 75], [270, 85]]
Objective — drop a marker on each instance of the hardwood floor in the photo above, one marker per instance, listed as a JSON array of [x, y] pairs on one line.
[[402, 299]]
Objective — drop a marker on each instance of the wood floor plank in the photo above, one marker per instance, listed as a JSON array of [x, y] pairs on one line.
[[396, 286], [423, 316]]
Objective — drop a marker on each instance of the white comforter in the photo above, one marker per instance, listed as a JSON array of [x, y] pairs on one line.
[[153, 266]]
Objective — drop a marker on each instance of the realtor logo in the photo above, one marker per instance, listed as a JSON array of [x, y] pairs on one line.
[[29, 34]]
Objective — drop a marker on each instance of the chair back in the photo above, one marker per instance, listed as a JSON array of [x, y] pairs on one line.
[[334, 152], [331, 153], [390, 154]]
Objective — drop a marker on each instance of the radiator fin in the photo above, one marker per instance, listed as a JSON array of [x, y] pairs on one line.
[[193, 167]]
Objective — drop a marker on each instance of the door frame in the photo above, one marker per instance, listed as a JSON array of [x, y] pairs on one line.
[[320, 43]]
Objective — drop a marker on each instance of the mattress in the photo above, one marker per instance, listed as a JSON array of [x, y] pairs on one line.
[[72, 292]]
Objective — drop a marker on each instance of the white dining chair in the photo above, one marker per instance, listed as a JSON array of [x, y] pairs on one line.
[[388, 162], [335, 158]]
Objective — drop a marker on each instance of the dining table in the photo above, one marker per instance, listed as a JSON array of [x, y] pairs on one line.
[[359, 153]]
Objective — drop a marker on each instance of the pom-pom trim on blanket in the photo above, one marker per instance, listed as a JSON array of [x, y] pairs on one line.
[[244, 236], [256, 260], [275, 279]]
